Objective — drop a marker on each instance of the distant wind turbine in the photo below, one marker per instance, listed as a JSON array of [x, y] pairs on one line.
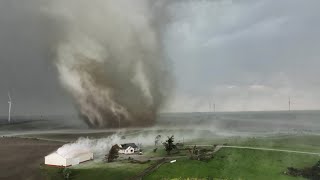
[[9, 102], [289, 103]]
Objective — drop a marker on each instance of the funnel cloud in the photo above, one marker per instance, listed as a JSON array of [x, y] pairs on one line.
[[110, 60]]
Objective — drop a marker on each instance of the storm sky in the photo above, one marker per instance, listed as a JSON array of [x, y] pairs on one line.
[[242, 55]]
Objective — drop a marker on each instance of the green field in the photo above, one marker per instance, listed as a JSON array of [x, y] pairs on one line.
[[227, 163], [108, 171], [236, 164]]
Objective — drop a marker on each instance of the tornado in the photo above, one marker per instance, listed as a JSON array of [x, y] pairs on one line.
[[110, 58]]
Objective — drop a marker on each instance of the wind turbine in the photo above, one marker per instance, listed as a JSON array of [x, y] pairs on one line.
[[9, 102], [289, 103]]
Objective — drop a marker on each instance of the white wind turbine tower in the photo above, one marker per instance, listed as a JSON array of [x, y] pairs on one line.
[[9, 102]]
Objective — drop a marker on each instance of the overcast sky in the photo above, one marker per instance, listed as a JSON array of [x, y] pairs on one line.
[[243, 55]]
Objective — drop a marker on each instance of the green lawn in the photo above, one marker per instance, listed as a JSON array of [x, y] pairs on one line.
[[236, 164], [123, 172]]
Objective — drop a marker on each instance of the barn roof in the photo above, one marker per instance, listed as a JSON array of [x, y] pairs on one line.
[[71, 153], [54, 154]]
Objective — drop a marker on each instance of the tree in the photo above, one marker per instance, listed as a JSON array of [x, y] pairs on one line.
[[113, 153], [168, 145], [157, 139]]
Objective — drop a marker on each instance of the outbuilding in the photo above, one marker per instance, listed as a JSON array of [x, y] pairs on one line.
[[71, 158]]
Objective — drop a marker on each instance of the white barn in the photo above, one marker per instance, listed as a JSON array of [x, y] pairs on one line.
[[68, 159], [129, 148]]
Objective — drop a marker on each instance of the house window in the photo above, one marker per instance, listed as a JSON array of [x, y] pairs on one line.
[[131, 150]]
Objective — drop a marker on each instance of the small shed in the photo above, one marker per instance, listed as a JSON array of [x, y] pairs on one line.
[[68, 159], [129, 148]]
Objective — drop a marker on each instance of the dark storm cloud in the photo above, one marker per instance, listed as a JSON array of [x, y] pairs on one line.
[[26, 69]]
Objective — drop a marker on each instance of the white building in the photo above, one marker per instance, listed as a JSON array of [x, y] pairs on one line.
[[71, 158], [129, 148]]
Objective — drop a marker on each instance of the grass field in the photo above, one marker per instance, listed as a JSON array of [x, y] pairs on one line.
[[236, 164], [114, 170], [285, 130], [227, 163]]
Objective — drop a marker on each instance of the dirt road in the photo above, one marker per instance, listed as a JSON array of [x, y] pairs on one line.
[[258, 148], [270, 149]]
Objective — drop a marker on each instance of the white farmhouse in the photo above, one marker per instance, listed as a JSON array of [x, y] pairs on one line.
[[128, 148], [71, 158]]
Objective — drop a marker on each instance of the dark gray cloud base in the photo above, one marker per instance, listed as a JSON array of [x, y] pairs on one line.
[[26, 68]]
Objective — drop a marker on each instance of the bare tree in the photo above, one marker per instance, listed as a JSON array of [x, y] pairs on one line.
[[157, 139]]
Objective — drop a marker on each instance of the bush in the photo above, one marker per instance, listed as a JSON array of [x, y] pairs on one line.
[[66, 173]]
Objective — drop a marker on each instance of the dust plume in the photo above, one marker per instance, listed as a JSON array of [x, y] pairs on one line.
[[100, 147], [110, 58]]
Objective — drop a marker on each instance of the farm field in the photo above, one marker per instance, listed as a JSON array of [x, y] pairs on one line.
[[227, 163], [236, 164], [21, 157], [294, 131]]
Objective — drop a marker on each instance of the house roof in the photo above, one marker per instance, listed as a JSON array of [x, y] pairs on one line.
[[125, 146]]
